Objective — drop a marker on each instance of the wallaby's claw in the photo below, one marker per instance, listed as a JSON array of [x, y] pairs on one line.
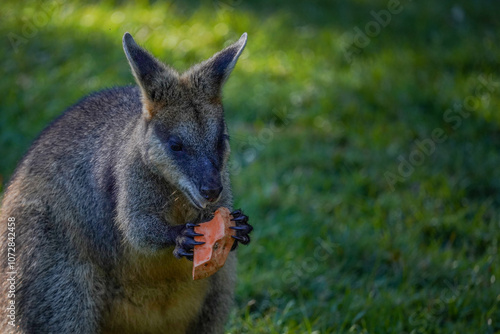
[[241, 219], [192, 233], [242, 228], [178, 253], [190, 243], [244, 239], [236, 212], [185, 242]]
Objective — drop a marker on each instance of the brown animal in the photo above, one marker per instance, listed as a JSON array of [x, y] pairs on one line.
[[104, 204]]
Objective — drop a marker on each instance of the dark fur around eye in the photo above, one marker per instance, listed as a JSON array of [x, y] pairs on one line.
[[161, 132], [172, 142], [176, 147]]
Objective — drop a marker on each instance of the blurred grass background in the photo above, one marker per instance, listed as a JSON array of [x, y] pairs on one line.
[[347, 239]]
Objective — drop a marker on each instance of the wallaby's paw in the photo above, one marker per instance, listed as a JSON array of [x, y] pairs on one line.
[[242, 228], [185, 242]]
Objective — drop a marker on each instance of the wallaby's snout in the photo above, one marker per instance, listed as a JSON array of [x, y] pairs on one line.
[[209, 193], [211, 188], [210, 184]]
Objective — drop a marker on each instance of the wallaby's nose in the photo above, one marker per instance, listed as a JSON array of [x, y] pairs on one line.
[[210, 194]]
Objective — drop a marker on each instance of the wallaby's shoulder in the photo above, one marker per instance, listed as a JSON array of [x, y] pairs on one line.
[[118, 99], [108, 109], [108, 105], [82, 127]]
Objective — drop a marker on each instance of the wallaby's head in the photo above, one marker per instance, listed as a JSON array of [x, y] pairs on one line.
[[184, 135]]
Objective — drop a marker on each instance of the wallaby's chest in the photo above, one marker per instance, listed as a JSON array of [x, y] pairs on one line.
[[156, 295], [179, 211]]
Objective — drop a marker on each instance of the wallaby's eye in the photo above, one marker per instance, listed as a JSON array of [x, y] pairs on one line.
[[174, 144], [176, 147]]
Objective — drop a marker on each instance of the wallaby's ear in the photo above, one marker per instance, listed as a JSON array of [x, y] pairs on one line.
[[213, 73], [155, 79], [222, 63]]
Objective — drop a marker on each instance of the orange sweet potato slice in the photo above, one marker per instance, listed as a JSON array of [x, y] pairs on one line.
[[211, 256]]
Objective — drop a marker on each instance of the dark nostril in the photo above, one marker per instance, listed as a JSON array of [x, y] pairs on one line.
[[210, 194]]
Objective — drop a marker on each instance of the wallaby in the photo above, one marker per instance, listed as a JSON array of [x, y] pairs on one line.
[[97, 220]]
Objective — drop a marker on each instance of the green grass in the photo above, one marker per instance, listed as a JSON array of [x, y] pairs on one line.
[[336, 248]]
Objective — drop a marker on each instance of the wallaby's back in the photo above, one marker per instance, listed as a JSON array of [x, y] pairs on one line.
[[73, 159]]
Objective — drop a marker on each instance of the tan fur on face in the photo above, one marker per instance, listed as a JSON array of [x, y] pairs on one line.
[[149, 108]]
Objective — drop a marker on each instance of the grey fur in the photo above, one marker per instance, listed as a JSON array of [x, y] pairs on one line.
[[99, 200]]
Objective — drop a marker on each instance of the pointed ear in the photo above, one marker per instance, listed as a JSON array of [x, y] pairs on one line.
[[213, 73], [223, 62], [154, 78]]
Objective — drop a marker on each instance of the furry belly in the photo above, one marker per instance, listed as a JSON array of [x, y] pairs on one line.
[[156, 296]]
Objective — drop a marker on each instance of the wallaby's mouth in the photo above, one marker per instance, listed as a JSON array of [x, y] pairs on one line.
[[194, 201], [191, 193]]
